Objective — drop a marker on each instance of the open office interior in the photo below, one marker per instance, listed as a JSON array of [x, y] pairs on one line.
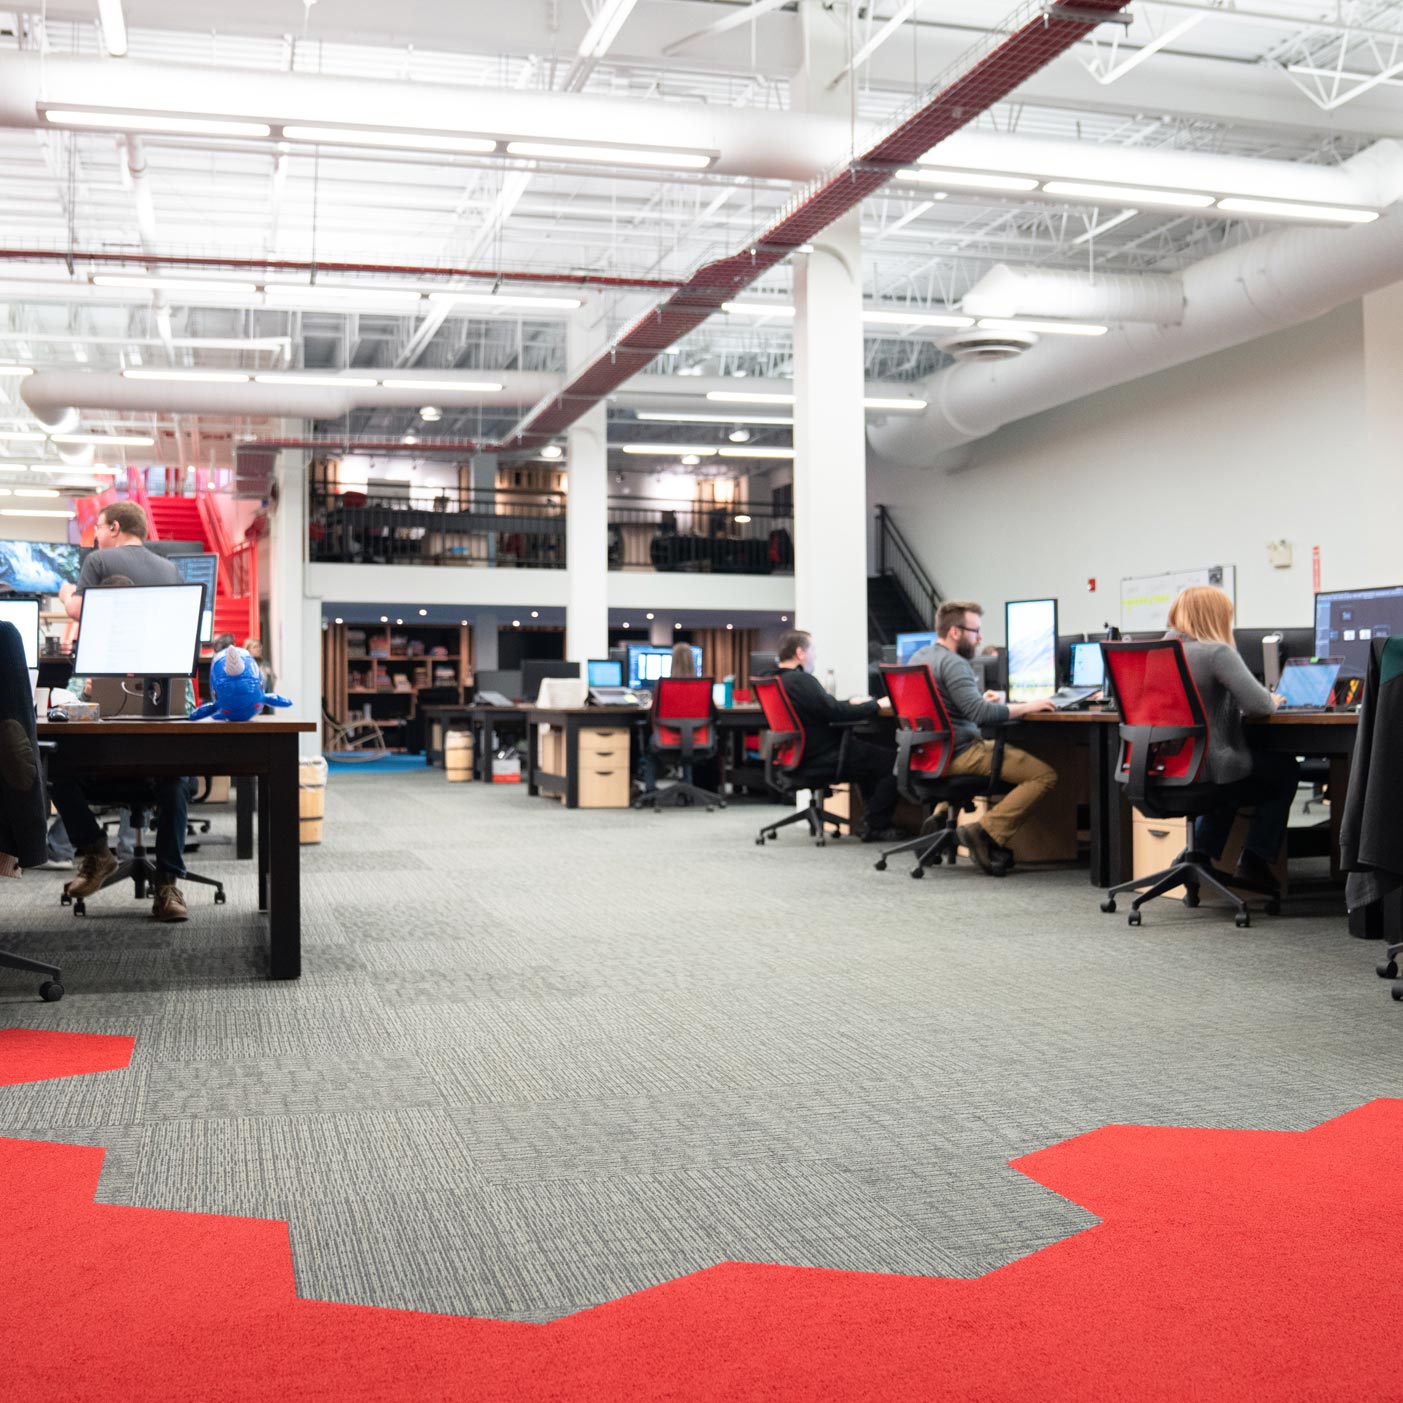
[[700, 699]]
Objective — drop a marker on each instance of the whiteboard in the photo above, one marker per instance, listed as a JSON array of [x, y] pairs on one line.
[[1145, 599]]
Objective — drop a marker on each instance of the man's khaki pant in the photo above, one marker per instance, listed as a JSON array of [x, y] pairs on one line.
[[1030, 777]]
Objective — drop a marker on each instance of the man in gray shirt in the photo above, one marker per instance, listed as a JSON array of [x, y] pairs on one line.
[[120, 538], [958, 629]]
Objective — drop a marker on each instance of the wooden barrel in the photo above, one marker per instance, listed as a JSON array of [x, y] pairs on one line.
[[458, 756], [311, 798]]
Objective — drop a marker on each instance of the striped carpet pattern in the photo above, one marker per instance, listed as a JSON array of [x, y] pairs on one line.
[[540, 1060]]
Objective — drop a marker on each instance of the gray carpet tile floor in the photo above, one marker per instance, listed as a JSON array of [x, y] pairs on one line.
[[540, 1059]]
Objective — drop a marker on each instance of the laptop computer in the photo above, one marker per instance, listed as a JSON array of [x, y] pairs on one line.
[[616, 696], [1307, 683]]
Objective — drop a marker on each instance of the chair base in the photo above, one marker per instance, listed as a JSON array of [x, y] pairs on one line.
[[674, 796], [815, 815], [931, 849], [141, 872], [1192, 871], [1387, 968], [51, 990]]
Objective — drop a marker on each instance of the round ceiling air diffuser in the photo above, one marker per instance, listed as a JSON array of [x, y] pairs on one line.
[[981, 344]]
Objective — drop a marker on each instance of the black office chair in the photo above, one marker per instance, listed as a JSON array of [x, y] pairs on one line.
[[786, 769], [24, 807]]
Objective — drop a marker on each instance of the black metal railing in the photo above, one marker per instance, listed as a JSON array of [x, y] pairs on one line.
[[648, 534], [897, 561], [431, 526]]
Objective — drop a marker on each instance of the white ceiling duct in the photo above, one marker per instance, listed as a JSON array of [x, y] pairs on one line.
[[1106, 297], [1268, 284]]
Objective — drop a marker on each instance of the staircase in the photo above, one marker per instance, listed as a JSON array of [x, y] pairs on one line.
[[889, 612], [181, 519], [901, 596]]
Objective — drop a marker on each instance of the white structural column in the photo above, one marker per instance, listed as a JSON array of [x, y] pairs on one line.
[[482, 477], [660, 630], [294, 618], [830, 464], [1377, 491], [587, 509]]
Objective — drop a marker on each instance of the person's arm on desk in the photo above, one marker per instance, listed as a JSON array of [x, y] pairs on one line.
[[1236, 676]]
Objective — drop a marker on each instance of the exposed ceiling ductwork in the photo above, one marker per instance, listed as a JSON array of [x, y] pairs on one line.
[[1106, 297]]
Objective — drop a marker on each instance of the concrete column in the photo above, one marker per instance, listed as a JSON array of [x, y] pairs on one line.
[[485, 626], [661, 631], [294, 617], [482, 475], [830, 465], [587, 508]]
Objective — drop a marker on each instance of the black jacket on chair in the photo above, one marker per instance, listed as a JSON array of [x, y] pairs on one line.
[[1371, 830], [23, 808]]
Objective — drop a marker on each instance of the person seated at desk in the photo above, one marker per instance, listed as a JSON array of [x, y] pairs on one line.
[[958, 628], [873, 767], [684, 664], [1201, 619]]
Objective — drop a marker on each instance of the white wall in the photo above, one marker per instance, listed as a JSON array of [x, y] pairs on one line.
[[1200, 465]]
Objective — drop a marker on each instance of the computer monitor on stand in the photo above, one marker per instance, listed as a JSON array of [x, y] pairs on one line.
[[24, 614], [144, 633], [1030, 627]]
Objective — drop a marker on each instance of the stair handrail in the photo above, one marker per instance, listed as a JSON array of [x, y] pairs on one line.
[[212, 519], [896, 559], [136, 492]]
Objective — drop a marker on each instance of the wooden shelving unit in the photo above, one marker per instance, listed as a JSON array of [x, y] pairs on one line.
[[362, 661]]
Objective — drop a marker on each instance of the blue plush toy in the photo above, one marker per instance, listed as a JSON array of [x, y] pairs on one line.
[[237, 685]]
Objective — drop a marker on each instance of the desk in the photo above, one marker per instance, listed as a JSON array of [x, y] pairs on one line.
[[263, 748], [574, 722], [446, 717], [1323, 733]]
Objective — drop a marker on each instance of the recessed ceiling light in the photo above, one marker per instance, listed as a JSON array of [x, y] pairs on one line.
[[1126, 194], [384, 619], [423, 613], [739, 435], [730, 626], [483, 387], [516, 623], [399, 621], [535, 613], [741, 519], [1288, 209], [208, 377], [677, 625], [552, 451], [647, 616], [339, 621]]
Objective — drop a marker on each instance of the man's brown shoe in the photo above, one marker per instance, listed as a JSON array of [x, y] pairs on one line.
[[93, 870], [169, 904], [976, 840]]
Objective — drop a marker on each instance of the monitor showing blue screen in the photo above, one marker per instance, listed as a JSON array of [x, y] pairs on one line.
[[1031, 631], [649, 661], [37, 567], [1347, 621], [908, 643], [605, 672], [1308, 681], [1088, 665]]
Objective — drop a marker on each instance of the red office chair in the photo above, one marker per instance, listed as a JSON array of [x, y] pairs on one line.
[[1163, 745], [925, 747], [785, 770], [684, 731]]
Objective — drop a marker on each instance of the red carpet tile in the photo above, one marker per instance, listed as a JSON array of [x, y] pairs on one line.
[[1228, 1265], [29, 1055]]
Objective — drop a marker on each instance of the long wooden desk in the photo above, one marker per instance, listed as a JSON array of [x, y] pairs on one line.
[[264, 749], [573, 721]]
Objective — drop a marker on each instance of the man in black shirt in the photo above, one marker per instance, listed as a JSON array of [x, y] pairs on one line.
[[873, 767]]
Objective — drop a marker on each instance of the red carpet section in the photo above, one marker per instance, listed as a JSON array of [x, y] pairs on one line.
[[29, 1055], [1228, 1265]]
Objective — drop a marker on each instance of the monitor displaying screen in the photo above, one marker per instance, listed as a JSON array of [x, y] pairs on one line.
[[1088, 665], [649, 661], [1308, 681], [24, 614], [534, 671], [908, 643], [37, 567], [1347, 621], [201, 570], [605, 672], [1031, 631], [763, 664], [140, 631]]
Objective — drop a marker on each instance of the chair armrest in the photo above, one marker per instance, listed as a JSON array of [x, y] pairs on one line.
[[998, 733]]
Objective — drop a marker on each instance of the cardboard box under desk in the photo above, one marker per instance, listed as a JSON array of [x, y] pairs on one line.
[[550, 750]]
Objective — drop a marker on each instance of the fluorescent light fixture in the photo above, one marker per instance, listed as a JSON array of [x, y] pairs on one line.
[[737, 397], [1042, 328], [1126, 194], [611, 155], [608, 20], [172, 122], [947, 319], [510, 299], [405, 140], [332, 296], [758, 309], [671, 450], [14, 467], [103, 440], [114, 27], [908, 406], [208, 377], [485, 387], [22, 436], [968, 180], [35, 511], [660, 416], [139, 281], [35, 492], [756, 452], [1288, 209], [292, 377], [14, 371]]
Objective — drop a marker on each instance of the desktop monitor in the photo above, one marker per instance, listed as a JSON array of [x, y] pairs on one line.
[[1065, 644], [38, 567], [201, 570], [1347, 621], [908, 643], [504, 681], [1249, 648], [604, 672], [534, 671], [24, 614], [146, 631], [647, 662], [1030, 626], [763, 664], [1088, 666]]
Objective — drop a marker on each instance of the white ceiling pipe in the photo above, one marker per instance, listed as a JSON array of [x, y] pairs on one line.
[[1277, 281], [1039, 292]]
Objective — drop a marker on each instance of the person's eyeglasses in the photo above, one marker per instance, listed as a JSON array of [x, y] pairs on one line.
[[977, 632]]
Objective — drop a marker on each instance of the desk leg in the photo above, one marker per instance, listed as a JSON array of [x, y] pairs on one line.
[[533, 739], [244, 787], [1114, 825], [572, 762], [1339, 792], [1099, 836], [263, 842], [284, 877]]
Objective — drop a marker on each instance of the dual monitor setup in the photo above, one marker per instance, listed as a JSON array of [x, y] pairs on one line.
[[634, 668]]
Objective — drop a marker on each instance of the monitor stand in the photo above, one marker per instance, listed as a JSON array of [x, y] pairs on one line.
[[156, 698]]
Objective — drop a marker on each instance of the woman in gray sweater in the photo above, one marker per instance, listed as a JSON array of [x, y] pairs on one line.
[[1201, 617]]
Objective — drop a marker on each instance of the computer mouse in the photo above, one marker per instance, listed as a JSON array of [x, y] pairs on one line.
[[58, 714]]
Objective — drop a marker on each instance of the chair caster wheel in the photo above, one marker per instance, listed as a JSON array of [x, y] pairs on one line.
[[918, 872], [78, 908], [1387, 969], [881, 866], [1109, 906], [1133, 919], [1272, 908], [219, 896], [1397, 992], [64, 899], [949, 857], [760, 842], [1190, 896], [1242, 920], [722, 804], [820, 842], [51, 991]]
